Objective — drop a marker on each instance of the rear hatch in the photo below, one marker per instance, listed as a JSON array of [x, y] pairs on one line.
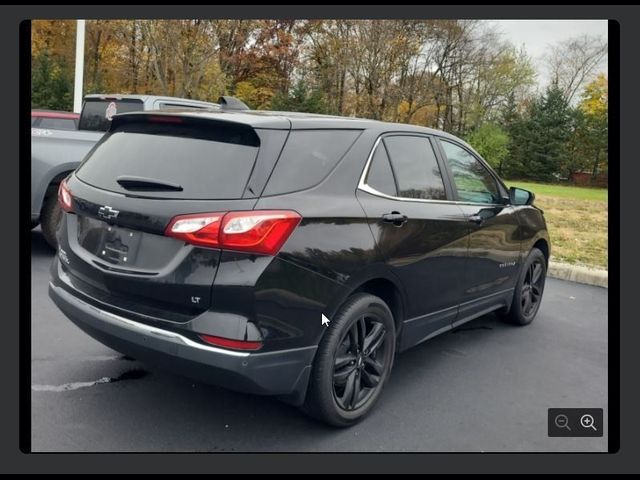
[[147, 170]]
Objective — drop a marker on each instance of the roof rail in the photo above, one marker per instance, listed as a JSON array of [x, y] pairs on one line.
[[232, 103]]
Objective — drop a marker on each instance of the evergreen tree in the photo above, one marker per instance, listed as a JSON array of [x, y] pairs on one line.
[[300, 99], [541, 141], [50, 87]]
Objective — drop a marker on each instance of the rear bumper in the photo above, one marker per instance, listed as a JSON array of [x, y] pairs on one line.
[[284, 373]]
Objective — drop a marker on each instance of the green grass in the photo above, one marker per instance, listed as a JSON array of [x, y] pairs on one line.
[[577, 221], [562, 191]]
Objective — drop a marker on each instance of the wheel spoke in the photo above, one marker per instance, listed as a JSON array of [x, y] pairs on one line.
[[355, 394], [530, 274], [340, 376], [362, 332], [527, 303], [370, 380], [536, 274], [535, 290], [374, 365], [374, 339], [343, 360], [348, 390]]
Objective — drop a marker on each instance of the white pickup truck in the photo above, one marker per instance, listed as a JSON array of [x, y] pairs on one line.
[[56, 153]]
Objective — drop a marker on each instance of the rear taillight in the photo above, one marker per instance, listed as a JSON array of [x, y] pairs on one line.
[[64, 197], [230, 343], [256, 231]]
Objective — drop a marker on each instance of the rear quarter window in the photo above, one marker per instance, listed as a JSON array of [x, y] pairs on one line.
[[307, 158]]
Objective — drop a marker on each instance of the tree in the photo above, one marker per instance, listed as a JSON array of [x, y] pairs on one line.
[[540, 139], [300, 99], [595, 127], [573, 62], [180, 52], [50, 85], [492, 143]]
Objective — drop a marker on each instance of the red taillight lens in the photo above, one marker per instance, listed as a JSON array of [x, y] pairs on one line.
[[256, 231], [64, 197], [230, 343], [198, 229]]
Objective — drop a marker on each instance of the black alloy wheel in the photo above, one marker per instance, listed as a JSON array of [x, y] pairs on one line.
[[531, 292], [359, 362]]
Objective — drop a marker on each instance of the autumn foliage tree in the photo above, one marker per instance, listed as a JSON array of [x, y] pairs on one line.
[[461, 76]]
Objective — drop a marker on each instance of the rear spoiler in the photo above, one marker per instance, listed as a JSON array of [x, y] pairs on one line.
[[161, 123]]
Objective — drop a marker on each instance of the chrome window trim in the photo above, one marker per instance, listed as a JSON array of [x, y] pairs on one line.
[[362, 185]]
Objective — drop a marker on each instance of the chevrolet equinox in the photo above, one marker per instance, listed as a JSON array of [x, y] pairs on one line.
[[289, 254]]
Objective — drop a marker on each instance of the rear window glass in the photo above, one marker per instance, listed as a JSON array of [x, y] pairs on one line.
[[206, 163], [96, 114], [307, 158], [57, 123]]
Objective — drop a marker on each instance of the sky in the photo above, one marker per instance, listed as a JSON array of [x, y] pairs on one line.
[[538, 35]]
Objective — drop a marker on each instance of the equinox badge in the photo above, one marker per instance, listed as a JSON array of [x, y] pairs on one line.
[[108, 213]]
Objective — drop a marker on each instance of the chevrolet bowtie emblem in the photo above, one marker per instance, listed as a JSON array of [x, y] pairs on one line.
[[108, 213]]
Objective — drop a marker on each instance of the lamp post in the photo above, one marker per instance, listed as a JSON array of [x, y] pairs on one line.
[[79, 72]]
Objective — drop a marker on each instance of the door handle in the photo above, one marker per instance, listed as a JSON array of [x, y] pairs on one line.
[[395, 217], [477, 219]]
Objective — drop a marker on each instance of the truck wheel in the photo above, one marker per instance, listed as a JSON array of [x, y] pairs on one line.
[[50, 220], [353, 362]]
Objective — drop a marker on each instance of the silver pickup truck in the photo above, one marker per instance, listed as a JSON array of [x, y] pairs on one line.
[[56, 153]]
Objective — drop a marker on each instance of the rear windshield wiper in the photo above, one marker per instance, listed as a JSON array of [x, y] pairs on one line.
[[142, 183]]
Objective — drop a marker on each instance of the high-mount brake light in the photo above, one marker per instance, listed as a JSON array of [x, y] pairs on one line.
[[255, 231], [64, 197], [165, 119]]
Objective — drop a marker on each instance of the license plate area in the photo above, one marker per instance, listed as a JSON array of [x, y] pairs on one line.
[[110, 243]]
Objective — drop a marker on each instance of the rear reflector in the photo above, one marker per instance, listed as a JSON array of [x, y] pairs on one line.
[[229, 343], [64, 197], [255, 231]]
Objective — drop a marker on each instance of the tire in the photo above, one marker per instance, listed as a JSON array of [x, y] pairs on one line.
[[328, 398], [50, 220], [529, 289]]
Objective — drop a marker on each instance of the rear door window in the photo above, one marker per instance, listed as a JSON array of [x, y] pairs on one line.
[[97, 113], [415, 166], [308, 157], [212, 161]]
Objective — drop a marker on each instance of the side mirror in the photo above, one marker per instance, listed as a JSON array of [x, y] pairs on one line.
[[520, 196]]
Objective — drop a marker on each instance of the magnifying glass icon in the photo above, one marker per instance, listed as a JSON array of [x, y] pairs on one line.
[[587, 421], [562, 421]]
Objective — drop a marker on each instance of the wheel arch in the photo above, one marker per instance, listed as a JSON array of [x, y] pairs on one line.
[[379, 282], [543, 245]]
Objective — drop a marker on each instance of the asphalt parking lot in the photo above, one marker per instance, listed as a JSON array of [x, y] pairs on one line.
[[484, 387]]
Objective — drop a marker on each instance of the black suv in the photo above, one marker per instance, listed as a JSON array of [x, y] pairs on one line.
[[289, 254]]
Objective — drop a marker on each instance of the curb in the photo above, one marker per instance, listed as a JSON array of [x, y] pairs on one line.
[[579, 274]]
